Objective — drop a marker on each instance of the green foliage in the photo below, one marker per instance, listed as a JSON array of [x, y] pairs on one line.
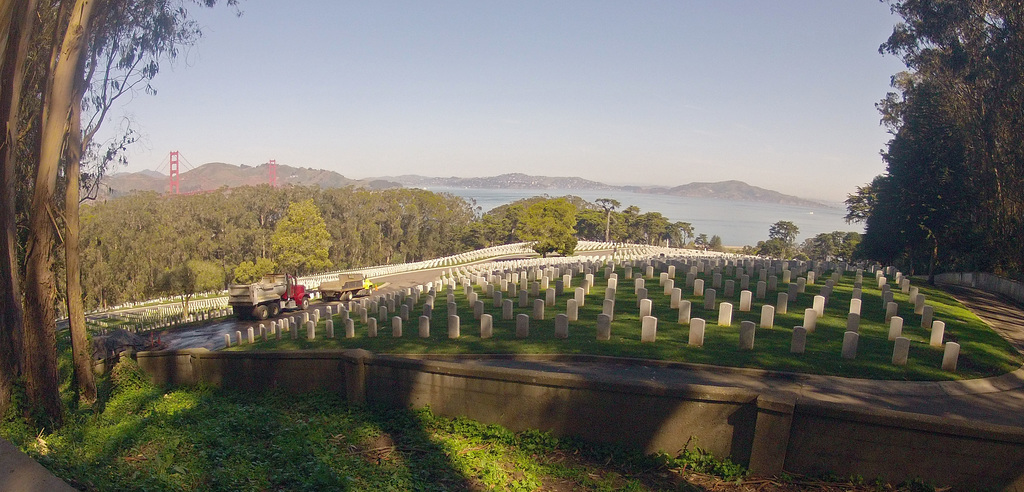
[[715, 244], [774, 248], [190, 278], [831, 246], [248, 272], [127, 243], [301, 240], [954, 184], [549, 224], [147, 438]]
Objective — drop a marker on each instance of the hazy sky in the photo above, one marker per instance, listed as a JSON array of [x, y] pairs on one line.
[[778, 94]]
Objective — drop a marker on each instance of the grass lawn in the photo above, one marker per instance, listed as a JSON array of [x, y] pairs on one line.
[[147, 438], [140, 437], [983, 352]]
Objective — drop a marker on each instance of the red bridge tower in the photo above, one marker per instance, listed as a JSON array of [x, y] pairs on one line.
[[174, 173]]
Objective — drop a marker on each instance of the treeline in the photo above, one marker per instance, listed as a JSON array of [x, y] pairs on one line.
[[952, 197], [598, 221], [825, 246], [128, 243]]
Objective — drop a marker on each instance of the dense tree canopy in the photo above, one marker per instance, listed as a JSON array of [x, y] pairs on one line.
[[128, 242], [190, 278], [550, 225], [952, 197], [301, 240]]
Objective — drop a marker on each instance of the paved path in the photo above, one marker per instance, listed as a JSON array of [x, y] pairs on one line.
[[20, 473], [996, 400]]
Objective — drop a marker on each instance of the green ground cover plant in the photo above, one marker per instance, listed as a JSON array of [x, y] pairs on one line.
[[142, 437], [983, 352]]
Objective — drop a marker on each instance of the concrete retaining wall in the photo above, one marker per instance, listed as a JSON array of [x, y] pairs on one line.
[[768, 434], [986, 282], [897, 446]]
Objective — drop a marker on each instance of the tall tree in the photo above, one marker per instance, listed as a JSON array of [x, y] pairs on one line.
[[16, 22], [40, 366], [957, 113], [608, 205], [785, 232], [301, 240], [190, 278], [549, 224]]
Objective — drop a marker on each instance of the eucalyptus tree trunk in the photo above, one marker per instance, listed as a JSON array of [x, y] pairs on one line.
[[40, 365], [17, 21], [80, 349]]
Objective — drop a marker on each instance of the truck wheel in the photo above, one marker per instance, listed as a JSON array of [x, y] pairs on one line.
[[260, 312], [240, 313], [304, 304], [275, 309]]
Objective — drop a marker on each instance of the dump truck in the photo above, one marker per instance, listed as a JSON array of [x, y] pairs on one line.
[[347, 286], [267, 298]]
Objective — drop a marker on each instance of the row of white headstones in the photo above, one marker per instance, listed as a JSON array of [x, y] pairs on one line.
[[529, 284]]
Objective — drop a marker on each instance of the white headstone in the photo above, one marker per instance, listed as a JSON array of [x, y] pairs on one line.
[[608, 308], [725, 314], [684, 311], [810, 319], [561, 326], [938, 330], [523, 324], [648, 329], [604, 327], [645, 307], [901, 351], [799, 342], [747, 330], [767, 316], [696, 338], [454, 326], [424, 327], [782, 304], [949, 356], [486, 326]]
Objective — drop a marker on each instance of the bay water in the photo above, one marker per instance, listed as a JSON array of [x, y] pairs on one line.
[[738, 223]]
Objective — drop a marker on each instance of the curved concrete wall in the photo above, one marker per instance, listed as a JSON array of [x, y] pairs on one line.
[[986, 282]]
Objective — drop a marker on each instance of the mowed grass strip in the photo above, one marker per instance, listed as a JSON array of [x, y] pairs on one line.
[[983, 353]]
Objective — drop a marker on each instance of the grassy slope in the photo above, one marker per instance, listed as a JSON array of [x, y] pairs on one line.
[[983, 353], [147, 438]]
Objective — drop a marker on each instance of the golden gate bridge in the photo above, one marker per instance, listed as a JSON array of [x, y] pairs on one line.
[[174, 161]]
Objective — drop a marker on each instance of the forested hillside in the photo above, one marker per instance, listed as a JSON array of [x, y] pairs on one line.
[[129, 242]]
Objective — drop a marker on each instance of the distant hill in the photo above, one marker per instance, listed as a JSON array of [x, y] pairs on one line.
[[729, 190], [722, 190], [214, 175], [504, 181]]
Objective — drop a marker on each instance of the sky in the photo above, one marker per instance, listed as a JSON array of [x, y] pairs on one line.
[[777, 94]]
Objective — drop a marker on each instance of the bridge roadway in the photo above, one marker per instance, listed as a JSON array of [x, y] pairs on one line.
[[996, 400]]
